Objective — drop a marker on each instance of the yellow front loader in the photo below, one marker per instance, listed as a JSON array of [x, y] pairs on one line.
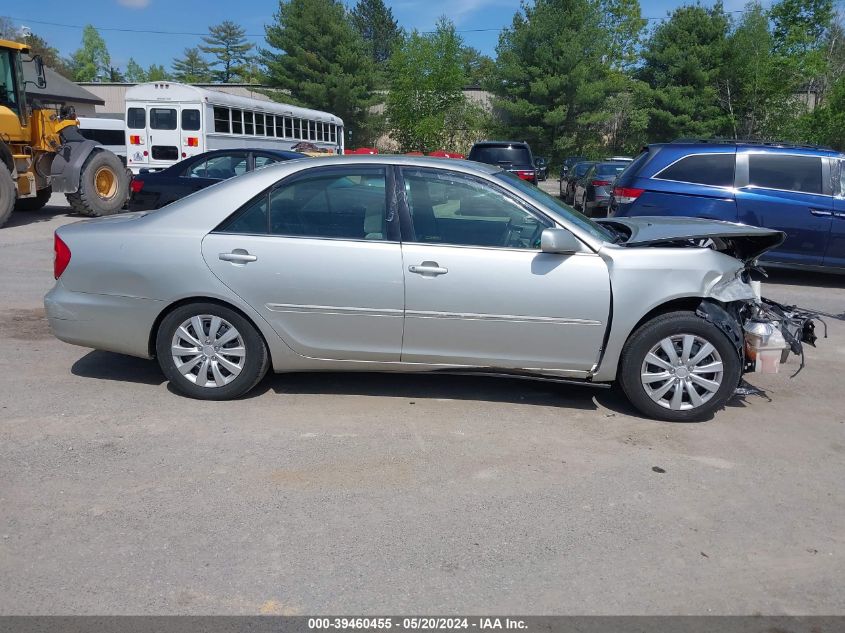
[[42, 151]]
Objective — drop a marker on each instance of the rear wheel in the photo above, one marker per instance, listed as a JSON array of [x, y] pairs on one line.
[[34, 204], [103, 185], [8, 193], [680, 368], [210, 352]]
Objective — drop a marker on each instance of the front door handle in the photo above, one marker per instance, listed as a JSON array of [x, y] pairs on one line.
[[821, 213], [238, 256], [428, 268]]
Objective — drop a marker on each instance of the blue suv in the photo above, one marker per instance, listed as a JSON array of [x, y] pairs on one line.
[[794, 188]]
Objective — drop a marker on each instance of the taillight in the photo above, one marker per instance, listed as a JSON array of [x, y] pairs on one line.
[[626, 195], [61, 256], [525, 175], [136, 185], [600, 183]]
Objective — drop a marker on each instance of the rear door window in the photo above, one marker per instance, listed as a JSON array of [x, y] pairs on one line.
[[163, 118], [715, 170], [785, 172]]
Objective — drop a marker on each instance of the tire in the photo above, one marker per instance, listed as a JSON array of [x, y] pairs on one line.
[[34, 204], [8, 193], [679, 328], [212, 367], [113, 190]]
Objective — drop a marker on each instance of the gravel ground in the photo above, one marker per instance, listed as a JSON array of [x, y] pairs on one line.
[[372, 494]]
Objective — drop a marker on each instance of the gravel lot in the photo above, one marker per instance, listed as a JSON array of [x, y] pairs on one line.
[[379, 494]]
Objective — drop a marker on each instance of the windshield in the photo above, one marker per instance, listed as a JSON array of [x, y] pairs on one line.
[[492, 155], [555, 204]]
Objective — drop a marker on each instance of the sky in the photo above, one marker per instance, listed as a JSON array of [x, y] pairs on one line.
[[479, 21]]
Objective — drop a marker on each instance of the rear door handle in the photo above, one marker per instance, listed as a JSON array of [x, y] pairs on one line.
[[838, 215], [238, 256], [428, 268], [821, 213]]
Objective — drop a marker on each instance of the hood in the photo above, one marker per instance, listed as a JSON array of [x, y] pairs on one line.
[[738, 240]]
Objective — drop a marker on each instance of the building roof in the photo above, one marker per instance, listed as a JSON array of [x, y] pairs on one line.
[[59, 89]]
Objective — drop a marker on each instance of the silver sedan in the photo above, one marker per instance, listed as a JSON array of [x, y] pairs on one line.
[[391, 263]]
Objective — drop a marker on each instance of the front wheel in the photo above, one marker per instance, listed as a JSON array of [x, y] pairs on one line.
[[680, 368], [210, 352], [103, 185]]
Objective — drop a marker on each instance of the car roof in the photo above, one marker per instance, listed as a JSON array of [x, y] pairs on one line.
[[722, 145], [494, 143]]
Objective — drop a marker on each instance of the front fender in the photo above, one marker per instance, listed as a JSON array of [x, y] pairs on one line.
[[68, 161]]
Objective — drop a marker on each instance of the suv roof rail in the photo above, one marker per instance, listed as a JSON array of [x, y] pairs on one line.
[[731, 141]]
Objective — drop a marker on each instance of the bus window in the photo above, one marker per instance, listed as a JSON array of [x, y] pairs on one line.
[[237, 122], [332, 133], [288, 127], [320, 128], [259, 124], [103, 137], [280, 126], [221, 120], [136, 118], [248, 126], [190, 120], [163, 118], [312, 136]]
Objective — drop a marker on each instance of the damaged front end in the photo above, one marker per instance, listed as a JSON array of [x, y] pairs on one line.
[[764, 332]]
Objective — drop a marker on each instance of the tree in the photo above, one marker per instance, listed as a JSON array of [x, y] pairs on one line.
[[226, 42], [623, 21], [134, 73], [681, 62], [321, 61], [157, 72], [115, 76], [192, 68], [380, 30], [8, 30], [478, 67], [752, 93], [52, 58], [426, 108], [91, 62], [553, 68]]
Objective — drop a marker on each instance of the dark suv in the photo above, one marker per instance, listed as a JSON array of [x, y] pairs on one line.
[[514, 156], [793, 188]]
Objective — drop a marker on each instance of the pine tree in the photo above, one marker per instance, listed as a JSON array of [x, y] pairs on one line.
[[682, 63], [380, 30], [157, 72], [322, 61], [227, 43], [192, 68]]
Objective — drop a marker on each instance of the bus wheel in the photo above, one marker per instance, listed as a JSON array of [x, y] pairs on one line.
[[103, 185]]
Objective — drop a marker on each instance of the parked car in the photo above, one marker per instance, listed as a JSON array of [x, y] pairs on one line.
[[153, 190], [396, 263], [569, 162], [513, 156], [791, 188], [568, 179], [592, 190], [542, 166]]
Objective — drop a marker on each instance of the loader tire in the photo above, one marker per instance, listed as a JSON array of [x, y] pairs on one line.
[[8, 193], [103, 185], [34, 204]]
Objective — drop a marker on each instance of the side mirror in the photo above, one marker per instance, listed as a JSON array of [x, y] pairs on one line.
[[39, 70], [559, 241]]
